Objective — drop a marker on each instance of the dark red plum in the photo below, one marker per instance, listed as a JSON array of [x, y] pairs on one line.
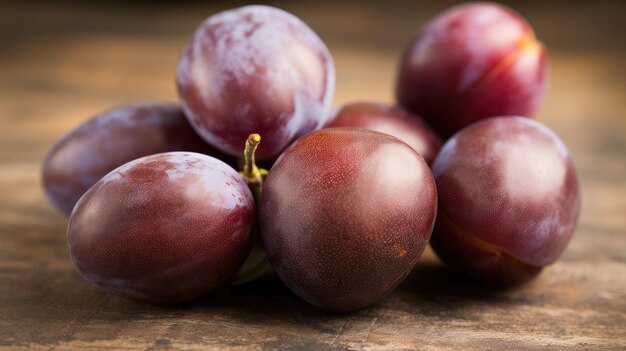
[[163, 229], [84, 155], [255, 69], [391, 120], [345, 214], [473, 61], [508, 199]]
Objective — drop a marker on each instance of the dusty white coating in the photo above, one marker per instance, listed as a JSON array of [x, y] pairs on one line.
[[120, 116], [545, 173], [201, 174], [546, 176], [104, 127], [265, 53]]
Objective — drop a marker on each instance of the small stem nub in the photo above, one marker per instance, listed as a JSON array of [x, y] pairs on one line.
[[252, 174], [250, 170]]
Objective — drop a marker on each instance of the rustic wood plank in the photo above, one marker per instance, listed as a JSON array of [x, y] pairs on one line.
[[73, 60]]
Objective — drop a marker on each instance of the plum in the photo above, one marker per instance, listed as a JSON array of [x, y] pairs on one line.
[[116, 136], [392, 120], [255, 69], [473, 61], [508, 199], [163, 229], [345, 214]]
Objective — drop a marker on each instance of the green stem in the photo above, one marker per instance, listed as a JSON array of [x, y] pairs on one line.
[[253, 175], [256, 264]]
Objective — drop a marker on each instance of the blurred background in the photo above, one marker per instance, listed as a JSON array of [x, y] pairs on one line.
[[61, 62]]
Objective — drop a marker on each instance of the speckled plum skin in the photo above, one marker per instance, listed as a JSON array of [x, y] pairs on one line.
[[508, 199], [255, 69], [119, 135], [473, 61], [345, 215], [163, 229], [392, 120]]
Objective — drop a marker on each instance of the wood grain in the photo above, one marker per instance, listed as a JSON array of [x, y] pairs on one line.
[[63, 62]]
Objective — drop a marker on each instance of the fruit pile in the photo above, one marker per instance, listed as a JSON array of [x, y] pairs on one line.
[[158, 212]]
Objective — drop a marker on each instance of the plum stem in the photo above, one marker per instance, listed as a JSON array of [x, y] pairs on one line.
[[253, 175], [256, 264]]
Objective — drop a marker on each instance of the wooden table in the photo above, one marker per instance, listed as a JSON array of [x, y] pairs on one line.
[[61, 63]]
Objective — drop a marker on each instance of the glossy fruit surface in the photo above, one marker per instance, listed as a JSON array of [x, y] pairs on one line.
[[391, 120], [255, 69], [508, 199], [471, 62], [163, 229], [84, 155], [345, 214]]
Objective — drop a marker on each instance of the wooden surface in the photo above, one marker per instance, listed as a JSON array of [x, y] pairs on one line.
[[59, 64]]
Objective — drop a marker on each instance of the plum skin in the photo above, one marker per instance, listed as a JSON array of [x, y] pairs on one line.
[[163, 229], [509, 199], [345, 214], [255, 69], [110, 139], [392, 120], [471, 62]]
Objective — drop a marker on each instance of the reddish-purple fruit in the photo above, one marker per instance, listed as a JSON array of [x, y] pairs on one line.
[[391, 120], [84, 155], [508, 199], [255, 69], [471, 62], [163, 229], [345, 215]]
